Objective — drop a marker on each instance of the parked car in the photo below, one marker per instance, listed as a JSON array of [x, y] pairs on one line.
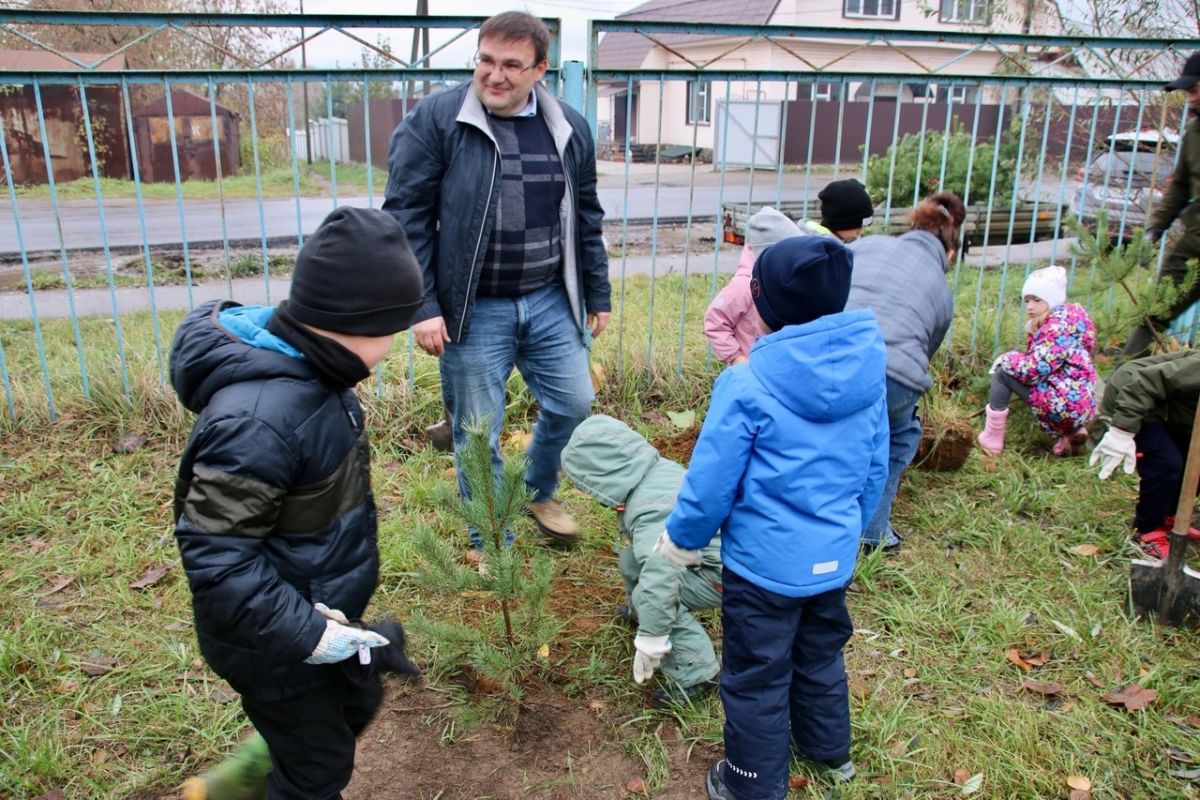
[[1125, 180]]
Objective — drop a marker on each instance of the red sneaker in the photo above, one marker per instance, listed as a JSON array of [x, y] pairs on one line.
[[1192, 533], [1155, 543]]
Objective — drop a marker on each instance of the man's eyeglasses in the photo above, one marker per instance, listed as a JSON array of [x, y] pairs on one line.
[[510, 69]]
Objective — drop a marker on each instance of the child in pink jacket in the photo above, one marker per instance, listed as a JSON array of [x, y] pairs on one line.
[[731, 323]]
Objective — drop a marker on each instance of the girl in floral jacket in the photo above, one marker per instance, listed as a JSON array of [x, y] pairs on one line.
[[1054, 374]]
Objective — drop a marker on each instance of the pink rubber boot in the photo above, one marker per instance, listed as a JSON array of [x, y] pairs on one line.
[[1071, 442], [992, 438]]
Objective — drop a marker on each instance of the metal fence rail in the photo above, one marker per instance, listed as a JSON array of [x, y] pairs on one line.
[[773, 136]]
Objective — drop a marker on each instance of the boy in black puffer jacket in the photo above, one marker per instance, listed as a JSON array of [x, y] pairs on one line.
[[274, 514]]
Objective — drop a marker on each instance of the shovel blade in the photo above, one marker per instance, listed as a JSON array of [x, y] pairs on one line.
[[1148, 582]]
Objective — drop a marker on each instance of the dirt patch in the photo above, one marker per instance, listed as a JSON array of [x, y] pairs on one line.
[[944, 447], [678, 446], [557, 749]]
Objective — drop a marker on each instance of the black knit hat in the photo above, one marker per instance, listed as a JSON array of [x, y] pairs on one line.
[[845, 205], [1190, 75], [799, 279], [356, 275]]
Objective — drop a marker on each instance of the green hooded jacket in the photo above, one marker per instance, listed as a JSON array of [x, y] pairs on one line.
[[617, 466], [1163, 387]]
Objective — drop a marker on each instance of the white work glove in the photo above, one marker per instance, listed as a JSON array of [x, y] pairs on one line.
[[341, 640], [1116, 446], [648, 654], [675, 554], [996, 364]]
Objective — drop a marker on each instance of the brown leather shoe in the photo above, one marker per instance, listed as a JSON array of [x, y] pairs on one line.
[[554, 521]]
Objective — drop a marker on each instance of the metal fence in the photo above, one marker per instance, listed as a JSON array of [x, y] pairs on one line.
[[102, 255]]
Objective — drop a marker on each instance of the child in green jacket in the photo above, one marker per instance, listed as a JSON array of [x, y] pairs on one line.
[[617, 466]]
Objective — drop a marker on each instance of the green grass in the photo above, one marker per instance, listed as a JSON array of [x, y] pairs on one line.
[[988, 563], [315, 179]]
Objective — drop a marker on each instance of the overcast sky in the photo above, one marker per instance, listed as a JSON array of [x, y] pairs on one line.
[[332, 47]]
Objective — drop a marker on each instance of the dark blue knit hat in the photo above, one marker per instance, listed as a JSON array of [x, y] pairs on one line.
[[799, 279]]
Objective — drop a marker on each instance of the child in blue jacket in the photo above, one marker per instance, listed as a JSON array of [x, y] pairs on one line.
[[789, 466]]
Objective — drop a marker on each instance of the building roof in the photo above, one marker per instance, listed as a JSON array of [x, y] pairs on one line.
[[183, 104], [624, 50], [17, 60]]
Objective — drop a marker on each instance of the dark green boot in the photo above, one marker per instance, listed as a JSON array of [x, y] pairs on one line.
[[242, 776]]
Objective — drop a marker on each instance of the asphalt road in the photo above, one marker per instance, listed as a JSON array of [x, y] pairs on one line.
[[208, 222]]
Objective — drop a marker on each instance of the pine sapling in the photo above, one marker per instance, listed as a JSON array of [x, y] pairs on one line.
[[1124, 266], [506, 625]]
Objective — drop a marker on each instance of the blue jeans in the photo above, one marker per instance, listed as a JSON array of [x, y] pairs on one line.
[[904, 437], [537, 334]]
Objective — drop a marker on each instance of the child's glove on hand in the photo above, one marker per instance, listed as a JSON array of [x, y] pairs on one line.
[[1116, 446], [676, 554], [340, 640], [648, 654]]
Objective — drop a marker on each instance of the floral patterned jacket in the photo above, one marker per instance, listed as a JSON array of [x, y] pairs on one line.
[[1057, 367]]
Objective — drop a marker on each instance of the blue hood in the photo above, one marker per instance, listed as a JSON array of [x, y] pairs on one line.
[[817, 370], [221, 343]]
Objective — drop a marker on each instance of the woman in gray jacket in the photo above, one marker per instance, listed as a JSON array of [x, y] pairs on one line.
[[903, 280]]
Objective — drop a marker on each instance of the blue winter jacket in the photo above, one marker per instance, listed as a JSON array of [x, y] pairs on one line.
[[792, 458]]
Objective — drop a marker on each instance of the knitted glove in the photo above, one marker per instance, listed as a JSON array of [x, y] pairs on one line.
[[340, 640], [648, 654], [677, 555], [1116, 446]]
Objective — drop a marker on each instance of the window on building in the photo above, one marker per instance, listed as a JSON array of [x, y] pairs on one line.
[[871, 9], [823, 91], [698, 105], [955, 94], [966, 12]]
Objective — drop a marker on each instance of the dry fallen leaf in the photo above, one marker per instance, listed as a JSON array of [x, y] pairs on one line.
[[223, 695], [798, 781], [1014, 655], [129, 442], [1037, 659], [599, 377], [38, 545], [1092, 679], [1042, 687], [518, 439], [636, 785], [910, 672], [1067, 629], [58, 584], [543, 651], [961, 776], [597, 705], [973, 784], [656, 417], [151, 577], [1086, 549], [1079, 782], [1132, 696], [1079, 794], [95, 666], [52, 794]]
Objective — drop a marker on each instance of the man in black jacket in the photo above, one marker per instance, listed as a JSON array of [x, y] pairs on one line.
[[495, 184], [274, 515]]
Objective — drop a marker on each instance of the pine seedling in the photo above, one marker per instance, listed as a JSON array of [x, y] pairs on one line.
[[1120, 267], [510, 589]]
